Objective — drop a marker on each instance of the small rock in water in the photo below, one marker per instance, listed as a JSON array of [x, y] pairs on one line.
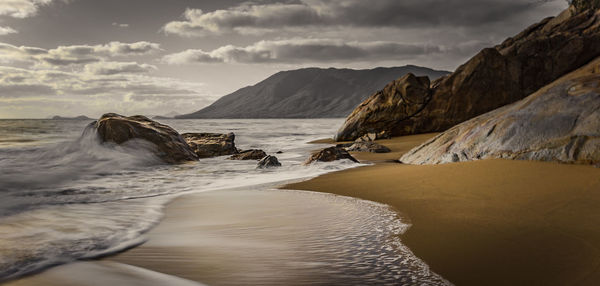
[[207, 145], [268, 162], [251, 154], [330, 154]]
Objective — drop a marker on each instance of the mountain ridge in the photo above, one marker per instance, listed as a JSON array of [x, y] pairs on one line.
[[307, 93]]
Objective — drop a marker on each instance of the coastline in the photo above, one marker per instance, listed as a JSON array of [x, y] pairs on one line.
[[488, 222], [493, 222]]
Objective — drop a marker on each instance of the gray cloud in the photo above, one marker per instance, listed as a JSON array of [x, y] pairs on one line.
[[110, 68], [303, 50], [7, 31], [251, 18], [21, 8], [74, 54]]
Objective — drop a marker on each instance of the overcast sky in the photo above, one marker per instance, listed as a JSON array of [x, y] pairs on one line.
[[152, 57]]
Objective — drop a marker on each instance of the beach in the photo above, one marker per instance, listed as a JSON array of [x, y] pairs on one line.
[[489, 222]]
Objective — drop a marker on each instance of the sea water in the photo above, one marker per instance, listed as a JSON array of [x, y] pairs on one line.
[[64, 196]]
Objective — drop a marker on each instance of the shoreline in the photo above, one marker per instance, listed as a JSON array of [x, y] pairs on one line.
[[492, 222], [487, 222]]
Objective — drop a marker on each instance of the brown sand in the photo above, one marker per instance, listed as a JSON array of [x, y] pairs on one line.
[[489, 222]]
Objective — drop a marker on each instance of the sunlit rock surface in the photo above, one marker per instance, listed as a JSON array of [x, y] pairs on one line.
[[560, 122]]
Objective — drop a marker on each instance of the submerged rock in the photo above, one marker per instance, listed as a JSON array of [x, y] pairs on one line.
[[252, 154], [330, 154], [362, 146], [170, 146], [207, 145], [268, 162], [493, 78], [560, 122]]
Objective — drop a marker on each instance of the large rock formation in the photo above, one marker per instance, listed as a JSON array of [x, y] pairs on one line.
[[170, 146], [492, 78], [307, 93], [207, 145], [560, 122]]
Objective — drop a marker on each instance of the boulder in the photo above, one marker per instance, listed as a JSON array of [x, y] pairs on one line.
[[207, 145], [398, 101], [560, 123], [493, 78], [330, 154], [252, 154], [362, 146], [268, 162], [170, 146]]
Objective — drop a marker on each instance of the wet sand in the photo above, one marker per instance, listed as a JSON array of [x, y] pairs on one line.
[[489, 222]]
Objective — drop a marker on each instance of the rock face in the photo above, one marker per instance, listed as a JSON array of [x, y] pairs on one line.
[[491, 79], [366, 146], [560, 122], [268, 162], [207, 145], [170, 146], [330, 154], [252, 154], [307, 93]]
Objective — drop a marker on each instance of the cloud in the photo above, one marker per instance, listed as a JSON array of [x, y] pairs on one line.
[[74, 54], [120, 25], [252, 18], [303, 50], [21, 8], [47, 92], [7, 30], [111, 68]]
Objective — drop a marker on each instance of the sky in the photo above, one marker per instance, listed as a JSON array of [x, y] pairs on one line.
[[155, 57]]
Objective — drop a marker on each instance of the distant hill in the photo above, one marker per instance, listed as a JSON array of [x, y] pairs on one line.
[[307, 93], [170, 115], [80, 117]]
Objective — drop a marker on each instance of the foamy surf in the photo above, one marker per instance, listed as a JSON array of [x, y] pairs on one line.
[[76, 199]]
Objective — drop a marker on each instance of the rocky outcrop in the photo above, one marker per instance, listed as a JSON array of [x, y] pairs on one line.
[[330, 154], [170, 146], [493, 78], [560, 122], [368, 146], [252, 154], [207, 145], [268, 162]]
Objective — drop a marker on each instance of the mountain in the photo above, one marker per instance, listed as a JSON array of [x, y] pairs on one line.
[[307, 93], [494, 77], [80, 117]]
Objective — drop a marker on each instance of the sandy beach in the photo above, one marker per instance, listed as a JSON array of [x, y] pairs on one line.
[[489, 222], [493, 222]]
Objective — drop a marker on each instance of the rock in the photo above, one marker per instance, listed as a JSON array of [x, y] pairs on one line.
[[560, 123], [207, 145], [368, 147], [279, 152], [330, 154], [252, 154], [367, 137], [268, 162], [493, 78], [170, 146], [398, 101]]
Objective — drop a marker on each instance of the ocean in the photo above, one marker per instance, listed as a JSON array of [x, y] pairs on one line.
[[65, 197]]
